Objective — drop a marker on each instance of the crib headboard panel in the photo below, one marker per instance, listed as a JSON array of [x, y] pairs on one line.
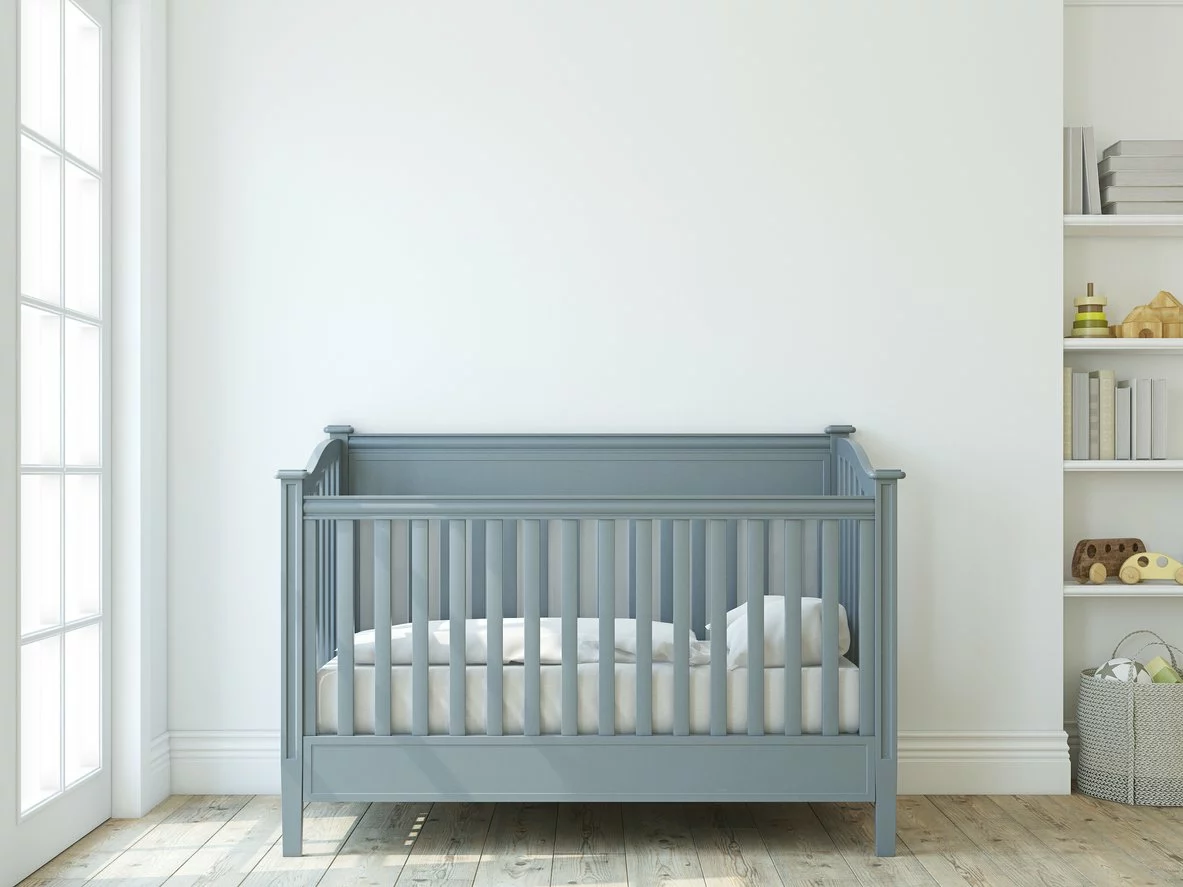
[[571, 465]]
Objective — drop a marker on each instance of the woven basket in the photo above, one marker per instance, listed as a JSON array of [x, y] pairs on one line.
[[1131, 737]]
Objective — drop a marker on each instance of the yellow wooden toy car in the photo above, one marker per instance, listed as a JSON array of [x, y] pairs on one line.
[[1150, 565]]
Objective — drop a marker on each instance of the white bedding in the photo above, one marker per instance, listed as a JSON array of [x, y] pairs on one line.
[[513, 677]]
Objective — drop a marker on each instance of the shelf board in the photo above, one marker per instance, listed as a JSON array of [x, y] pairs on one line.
[[1123, 226], [1124, 465], [1134, 346], [1116, 589]]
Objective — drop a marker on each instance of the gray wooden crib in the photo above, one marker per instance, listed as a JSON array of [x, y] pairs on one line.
[[446, 544]]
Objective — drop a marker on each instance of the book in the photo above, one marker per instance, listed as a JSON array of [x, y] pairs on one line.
[[1067, 413], [1092, 182], [1094, 417], [1120, 194], [1158, 419], [1121, 420], [1137, 164], [1144, 178], [1142, 208], [1145, 148], [1080, 415], [1140, 416], [1073, 172], [1106, 381]]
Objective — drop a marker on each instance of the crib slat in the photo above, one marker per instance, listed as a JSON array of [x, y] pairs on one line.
[[419, 603], [794, 536], [494, 699], [716, 577], [382, 589], [528, 533], [752, 552], [344, 628], [830, 579], [312, 590], [457, 606], [648, 564], [569, 585], [681, 589], [866, 626], [606, 594]]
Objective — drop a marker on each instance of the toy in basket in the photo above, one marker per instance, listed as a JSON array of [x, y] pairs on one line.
[[1130, 718]]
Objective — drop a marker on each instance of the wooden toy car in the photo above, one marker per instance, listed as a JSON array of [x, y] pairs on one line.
[[1150, 565], [1096, 560]]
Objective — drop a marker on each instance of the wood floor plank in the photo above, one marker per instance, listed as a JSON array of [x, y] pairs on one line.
[[734, 857], [155, 857], [379, 846], [235, 849], [717, 815], [1077, 838], [1149, 834], [519, 846], [593, 829], [851, 826], [608, 869], [448, 848], [659, 848], [947, 854], [801, 849], [327, 826], [86, 857], [1018, 853]]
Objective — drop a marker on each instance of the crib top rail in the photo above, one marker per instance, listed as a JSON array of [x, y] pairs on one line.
[[588, 507]]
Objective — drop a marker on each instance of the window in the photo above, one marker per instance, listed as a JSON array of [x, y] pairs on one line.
[[62, 262]]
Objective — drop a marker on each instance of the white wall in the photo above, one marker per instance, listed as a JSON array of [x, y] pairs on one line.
[[627, 217]]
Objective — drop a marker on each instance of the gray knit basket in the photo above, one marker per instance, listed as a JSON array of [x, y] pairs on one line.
[[1131, 737]]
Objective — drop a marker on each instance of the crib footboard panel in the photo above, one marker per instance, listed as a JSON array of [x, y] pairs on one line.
[[591, 768]]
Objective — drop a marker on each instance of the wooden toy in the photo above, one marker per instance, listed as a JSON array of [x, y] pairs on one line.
[[1096, 560], [1161, 672], [1161, 319], [1090, 321], [1150, 565]]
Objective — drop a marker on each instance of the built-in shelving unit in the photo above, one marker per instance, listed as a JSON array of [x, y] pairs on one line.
[[1115, 590], [1130, 465], [1132, 346]]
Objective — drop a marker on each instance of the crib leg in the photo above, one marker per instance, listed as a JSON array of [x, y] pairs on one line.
[[885, 801], [292, 817]]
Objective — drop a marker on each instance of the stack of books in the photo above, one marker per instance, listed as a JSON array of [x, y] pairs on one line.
[[1109, 419], [1142, 177]]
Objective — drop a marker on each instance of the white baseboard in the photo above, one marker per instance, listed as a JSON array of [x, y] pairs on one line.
[[159, 769], [1017, 762], [225, 762]]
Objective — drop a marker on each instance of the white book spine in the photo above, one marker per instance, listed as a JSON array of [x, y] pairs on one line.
[[1092, 180], [1074, 176], [1158, 420], [1080, 415], [1067, 413], [1122, 421], [1106, 382], [1094, 418], [1143, 410]]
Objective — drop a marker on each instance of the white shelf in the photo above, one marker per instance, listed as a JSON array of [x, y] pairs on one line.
[[1160, 588], [1124, 465], [1123, 226], [1134, 346]]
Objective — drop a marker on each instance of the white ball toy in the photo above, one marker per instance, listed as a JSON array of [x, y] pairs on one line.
[[1123, 670]]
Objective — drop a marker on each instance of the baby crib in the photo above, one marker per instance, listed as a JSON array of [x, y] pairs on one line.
[[595, 564]]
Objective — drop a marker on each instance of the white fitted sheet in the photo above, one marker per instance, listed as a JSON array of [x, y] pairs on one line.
[[551, 685]]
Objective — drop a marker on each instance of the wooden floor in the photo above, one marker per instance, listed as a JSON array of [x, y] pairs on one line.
[[974, 840]]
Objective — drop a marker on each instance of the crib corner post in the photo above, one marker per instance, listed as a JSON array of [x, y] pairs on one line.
[[885, 807], [836, 433], [886, 767], [292, 665]]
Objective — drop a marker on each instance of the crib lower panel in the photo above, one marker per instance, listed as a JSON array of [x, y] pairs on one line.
[[590, 768]]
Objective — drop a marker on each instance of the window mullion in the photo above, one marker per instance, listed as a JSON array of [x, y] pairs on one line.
[[62, 393]]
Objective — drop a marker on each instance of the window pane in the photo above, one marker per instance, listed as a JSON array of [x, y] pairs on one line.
[[41, 380], [41, 551], [84, 696], [41, 731], [41, 216], [84, 379], [84, 241], [41, 55], [84, 546], [84, 86]]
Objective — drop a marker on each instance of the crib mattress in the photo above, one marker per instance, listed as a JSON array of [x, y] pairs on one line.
[[513, 680]]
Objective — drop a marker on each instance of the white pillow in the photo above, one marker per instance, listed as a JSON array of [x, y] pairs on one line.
[[774, 633], [513, 642]]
